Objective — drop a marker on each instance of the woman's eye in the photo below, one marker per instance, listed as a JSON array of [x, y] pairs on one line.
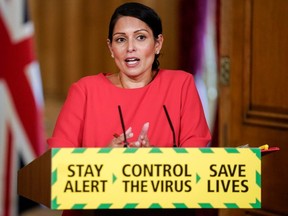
[[120, 40], [141, 37]]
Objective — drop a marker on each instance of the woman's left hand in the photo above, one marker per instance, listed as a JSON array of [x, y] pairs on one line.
[[143, 140]]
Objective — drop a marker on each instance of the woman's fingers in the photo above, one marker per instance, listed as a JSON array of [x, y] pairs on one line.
[[119, 139], [129, 134], [143, 132], [142, 140]]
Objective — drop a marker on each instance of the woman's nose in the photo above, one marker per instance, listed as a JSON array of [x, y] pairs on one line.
[[131, 46]]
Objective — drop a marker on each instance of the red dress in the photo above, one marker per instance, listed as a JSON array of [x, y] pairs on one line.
[[90, 116]]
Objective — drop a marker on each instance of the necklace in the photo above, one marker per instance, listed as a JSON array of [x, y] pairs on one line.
[[152, 77]]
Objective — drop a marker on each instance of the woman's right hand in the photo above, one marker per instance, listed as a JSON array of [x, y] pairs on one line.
[[118, 140]]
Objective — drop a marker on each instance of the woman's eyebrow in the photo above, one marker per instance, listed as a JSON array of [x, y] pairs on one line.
[[140, 30], [123, 33]]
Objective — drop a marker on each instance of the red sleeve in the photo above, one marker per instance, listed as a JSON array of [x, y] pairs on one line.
[[69, 125], [194, 129]]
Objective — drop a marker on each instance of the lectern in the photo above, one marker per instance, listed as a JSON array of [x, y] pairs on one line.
[[144, 178]]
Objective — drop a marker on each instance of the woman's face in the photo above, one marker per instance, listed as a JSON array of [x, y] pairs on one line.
[[133, 46]]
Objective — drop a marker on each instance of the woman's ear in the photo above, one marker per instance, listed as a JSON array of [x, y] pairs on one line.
[[110, 47], [159, 43]]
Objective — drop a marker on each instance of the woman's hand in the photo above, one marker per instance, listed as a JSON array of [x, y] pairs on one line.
[[118, 140], [143, 140]]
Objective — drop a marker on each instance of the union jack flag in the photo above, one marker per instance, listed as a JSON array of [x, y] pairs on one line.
[[21, 100]]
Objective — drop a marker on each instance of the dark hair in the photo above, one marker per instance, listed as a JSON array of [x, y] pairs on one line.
[[142, 12]]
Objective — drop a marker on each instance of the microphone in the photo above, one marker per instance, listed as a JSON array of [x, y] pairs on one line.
[[171, 126], [123, 126]]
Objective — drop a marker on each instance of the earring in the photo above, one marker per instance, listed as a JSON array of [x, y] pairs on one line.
[[157, 52], [112, 55]]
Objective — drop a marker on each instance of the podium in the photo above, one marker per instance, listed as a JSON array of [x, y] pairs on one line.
[[34, 180], [144, 178]]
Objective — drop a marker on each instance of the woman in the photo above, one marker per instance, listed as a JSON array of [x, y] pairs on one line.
[[90, 116], [157, 107]]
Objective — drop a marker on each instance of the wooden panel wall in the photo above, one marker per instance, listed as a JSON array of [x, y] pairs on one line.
[[71, 38], [266, 51], [253, 107]]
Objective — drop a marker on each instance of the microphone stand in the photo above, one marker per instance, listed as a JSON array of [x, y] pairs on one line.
[[171, 126], [126, 144]]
